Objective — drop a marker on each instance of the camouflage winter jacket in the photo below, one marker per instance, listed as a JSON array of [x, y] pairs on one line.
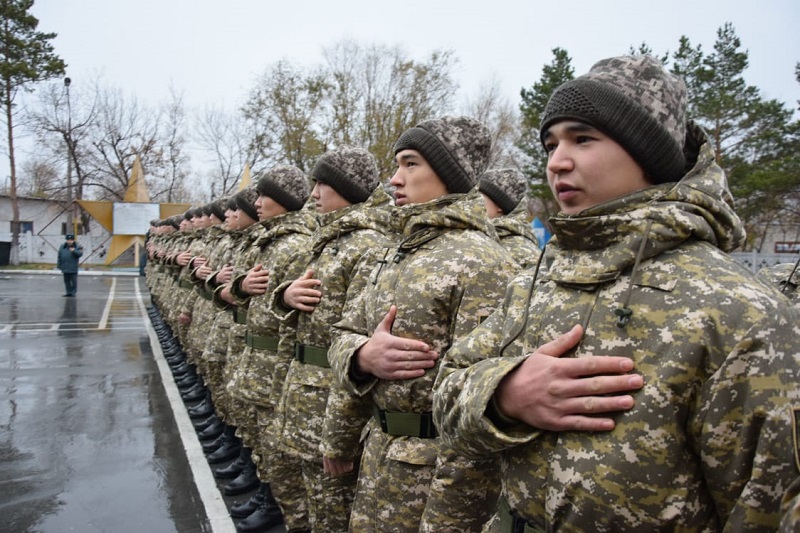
[[786, 278], [341, 239], [707, 445], [517, 237], [284, 235], [445, 274]]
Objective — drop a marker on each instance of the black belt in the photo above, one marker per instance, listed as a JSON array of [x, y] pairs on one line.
[[311, 355], [261, 343], [406, 424]]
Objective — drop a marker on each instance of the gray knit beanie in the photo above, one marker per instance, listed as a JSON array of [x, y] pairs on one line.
[[456, 148], [246, 201], [285, 184], [218, 208], [635, 101], [505, 186], [352, 172]]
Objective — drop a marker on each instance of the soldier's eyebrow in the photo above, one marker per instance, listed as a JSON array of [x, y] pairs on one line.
[[406, 157]]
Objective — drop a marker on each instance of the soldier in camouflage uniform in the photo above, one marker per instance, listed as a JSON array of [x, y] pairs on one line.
[[288, 224], [438, 280], [786, 278], [503, 189], [636, 274], [245, 217], [351, 221]]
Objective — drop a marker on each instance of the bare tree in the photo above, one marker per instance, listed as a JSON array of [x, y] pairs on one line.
[[226, 138], [500, 115], [282, 110], [376, 92]]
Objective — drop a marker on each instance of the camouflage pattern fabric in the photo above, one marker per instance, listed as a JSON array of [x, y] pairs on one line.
[[282, 471], [341, 239], [785, 277], [445, 275], [705, 446], [252, 380], [517, 237]]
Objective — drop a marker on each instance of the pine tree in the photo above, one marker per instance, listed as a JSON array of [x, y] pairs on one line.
[[26, 57], [754, 139]]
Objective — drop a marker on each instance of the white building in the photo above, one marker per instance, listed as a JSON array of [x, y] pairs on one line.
[[43, 225]]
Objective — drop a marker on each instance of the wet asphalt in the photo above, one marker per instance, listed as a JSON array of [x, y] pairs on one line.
[[93, 434]]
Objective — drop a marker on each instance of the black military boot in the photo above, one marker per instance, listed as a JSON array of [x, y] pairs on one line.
[[212, 432], [203, 409], [246, 481], [231, 446], [233, 470], [198, 392], [200, 425], [266, 516], [245, 509]]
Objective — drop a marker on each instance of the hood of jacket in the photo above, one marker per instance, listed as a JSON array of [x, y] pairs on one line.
[[515, 223], [301, 221], [598, 244], [373, 214], [421, 223]]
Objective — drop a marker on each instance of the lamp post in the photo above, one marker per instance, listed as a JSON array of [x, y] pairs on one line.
[[71, 222]]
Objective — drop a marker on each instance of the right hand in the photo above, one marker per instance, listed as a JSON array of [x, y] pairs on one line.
[[303, 294], [556, 394], [183, 258], [256, 281], [387, 356]]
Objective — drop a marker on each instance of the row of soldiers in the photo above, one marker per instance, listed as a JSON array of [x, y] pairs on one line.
[[391, 366], [251, 286]]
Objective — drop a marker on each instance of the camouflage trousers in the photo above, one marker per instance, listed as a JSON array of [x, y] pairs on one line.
[[391, 494], [330, 499], [214, 362], [282, 471]]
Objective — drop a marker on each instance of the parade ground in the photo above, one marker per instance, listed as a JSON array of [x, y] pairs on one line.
[[94, 436]]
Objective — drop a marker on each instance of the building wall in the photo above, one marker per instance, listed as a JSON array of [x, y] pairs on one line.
[[49, 221]]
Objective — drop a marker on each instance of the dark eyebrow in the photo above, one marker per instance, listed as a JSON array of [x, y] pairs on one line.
[[572, 127], [406, 157]]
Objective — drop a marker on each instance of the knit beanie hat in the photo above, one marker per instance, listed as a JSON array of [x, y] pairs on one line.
[[352, 172], [457, 148], [218, 207], [635, 101], [246, 201], [285, 184], [505, 186]]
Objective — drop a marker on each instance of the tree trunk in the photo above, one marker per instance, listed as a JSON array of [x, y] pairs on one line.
[[14, 258]]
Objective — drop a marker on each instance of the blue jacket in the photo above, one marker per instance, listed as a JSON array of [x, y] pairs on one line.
[[68, 259]]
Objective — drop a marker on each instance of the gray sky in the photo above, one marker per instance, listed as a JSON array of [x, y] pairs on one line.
[[212, 50]]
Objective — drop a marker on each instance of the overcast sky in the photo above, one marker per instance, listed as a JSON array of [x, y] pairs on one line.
[[212, 51]]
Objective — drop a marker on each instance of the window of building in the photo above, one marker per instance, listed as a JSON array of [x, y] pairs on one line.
[[24, 226]]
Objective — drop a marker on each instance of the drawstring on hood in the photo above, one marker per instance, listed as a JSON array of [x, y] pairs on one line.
[[625, 313]]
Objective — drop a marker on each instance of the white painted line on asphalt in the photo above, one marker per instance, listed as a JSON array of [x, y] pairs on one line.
[[216, 510], [107, 310]]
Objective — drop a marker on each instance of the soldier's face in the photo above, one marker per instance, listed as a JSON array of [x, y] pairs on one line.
[[244, 220], [415, 182], [266, 208], [492, 209], [231, 219], [586, 167], [326, 199]]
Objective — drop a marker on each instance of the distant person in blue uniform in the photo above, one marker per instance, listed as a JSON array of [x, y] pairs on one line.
[[68, 256]]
